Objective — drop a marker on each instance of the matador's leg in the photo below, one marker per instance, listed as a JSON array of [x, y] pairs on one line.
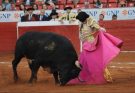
[[107, 75]]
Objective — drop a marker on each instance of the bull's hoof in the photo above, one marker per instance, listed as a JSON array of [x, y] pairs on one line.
[[30, 84], [57, 83], [62, 84], [15, 79], [32, 81]]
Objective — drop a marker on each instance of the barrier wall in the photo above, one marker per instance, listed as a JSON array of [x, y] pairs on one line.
[[69, 31], [7, 36], [122, 29]]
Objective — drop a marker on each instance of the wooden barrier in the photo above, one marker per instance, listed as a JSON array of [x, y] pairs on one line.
[[7, 36], [69, 31], [125, 30], [122, 29]]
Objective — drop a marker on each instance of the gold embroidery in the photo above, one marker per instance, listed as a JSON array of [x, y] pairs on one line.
[[107, 75]]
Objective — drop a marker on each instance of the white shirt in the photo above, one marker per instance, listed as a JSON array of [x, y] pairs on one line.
[[41, 17], [27, 2], [30, 16]]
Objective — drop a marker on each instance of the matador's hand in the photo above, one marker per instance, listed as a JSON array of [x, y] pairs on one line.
[[102, 29]]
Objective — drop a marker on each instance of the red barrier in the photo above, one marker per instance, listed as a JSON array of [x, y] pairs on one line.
[[7, 36], [122, 29], [71, 32]]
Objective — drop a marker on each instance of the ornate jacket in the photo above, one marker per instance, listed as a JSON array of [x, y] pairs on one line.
[[87, 29]]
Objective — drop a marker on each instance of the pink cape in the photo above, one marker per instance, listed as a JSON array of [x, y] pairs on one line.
[[95, 57]]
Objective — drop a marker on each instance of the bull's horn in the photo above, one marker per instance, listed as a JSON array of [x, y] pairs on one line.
[[78, 64], [59, 78]]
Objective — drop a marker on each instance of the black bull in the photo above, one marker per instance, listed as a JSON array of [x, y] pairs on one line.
[[47, 49]]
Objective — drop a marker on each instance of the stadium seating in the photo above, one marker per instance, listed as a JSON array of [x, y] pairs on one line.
[[0, 2], [112, 5], [81, 4]]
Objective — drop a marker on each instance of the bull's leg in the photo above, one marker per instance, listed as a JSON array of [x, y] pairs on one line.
[[19, 53], [14, 66], [34, 69], [55, 74]]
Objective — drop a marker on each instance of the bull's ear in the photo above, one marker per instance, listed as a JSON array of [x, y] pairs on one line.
[[78, 64]]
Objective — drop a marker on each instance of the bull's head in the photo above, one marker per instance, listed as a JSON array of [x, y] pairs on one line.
[[67, 73]]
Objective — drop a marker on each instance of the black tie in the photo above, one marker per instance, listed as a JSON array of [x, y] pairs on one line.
[[30, 16]]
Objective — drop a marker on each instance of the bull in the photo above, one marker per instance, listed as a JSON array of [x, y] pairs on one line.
[[46, 50]]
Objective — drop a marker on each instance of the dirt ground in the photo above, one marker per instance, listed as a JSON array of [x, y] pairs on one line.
[[122, 69]]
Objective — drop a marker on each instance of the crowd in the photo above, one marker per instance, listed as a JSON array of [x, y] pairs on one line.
[[68, 15], [28, 6], [43, 16], [13, 5]]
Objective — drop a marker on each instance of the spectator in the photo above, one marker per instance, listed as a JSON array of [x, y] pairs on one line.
[[29, 2], [44, 6], [35, 6], [23, 18], [101, 17], [1, 8], [52, 3], [22, 7], [75, 2], [68, 15], [122, 3], [114, 17], [6, 5], [14, 1], [42, 16], [97, 4], [13, 7], [86, 4], [30, 16], [49, 2], [53, 16]]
